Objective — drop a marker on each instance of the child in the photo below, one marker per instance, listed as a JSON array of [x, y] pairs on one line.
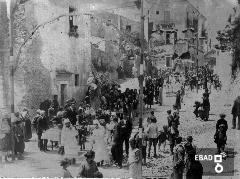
[[134, 161], [162, 138], [88, 168], [65, 164]]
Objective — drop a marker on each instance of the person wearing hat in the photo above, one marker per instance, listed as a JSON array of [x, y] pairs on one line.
[[65, 163], [178, 159], [190, 149], [18, 134], [26, 124], [5, 137], [41, 125], [88, 168], [220, 136], [72, 114], [222, 121]]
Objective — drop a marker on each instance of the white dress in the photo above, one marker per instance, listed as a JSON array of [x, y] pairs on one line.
[[69, 141], [134, 164], [99, 145]]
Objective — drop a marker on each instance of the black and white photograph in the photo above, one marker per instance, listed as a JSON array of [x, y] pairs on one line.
[[140, 89]]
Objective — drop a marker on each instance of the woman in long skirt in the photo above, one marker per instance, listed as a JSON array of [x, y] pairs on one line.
[[27, 129], [68, 139], [99, 144], [19, 144]]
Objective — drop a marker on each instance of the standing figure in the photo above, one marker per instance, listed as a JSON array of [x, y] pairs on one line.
[[134, 161], [178, 101], [68, 138], [55, 104], [220, 137], [194, 168], [117, 147], [169, 118], [152, 131], [27, 125], [127, 130], [5, 138], [99, 145], [160, 97], [178, 159], [197, 105], [162, 138], [18, 138], [72, 114], [236, 113]]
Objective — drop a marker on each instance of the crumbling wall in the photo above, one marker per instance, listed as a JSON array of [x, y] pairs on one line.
[[32, 79]]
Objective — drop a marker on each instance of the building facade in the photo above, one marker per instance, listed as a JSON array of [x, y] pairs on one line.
[[168, 22]]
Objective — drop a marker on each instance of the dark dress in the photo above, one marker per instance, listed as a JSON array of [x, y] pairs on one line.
[[18, 139], [178, 101], [27, 128], [5, 143]]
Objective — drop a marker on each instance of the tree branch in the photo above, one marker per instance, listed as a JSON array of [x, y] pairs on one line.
[[51, 21]]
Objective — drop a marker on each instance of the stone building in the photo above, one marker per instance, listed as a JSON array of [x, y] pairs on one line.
[[169, 21], [58, 58]]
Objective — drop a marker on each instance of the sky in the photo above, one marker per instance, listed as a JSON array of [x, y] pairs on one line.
[[217, 13]]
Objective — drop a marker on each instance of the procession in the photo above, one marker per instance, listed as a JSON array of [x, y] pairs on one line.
[[119, 89]]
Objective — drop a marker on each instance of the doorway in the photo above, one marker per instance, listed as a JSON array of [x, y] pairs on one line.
[[63, 93]]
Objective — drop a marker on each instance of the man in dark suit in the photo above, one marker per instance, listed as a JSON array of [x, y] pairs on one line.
[[126, 131], [117, 147], [72, 114]]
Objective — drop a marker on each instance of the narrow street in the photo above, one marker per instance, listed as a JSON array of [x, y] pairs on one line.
[[76, 72]]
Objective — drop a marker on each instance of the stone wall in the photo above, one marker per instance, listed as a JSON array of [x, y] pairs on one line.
[[4, 56]]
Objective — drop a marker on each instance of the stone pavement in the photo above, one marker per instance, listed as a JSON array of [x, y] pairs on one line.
[[46, 164]]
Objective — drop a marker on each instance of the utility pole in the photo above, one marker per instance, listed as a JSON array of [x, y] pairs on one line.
[[141, 79], [197, 61], [11, 62]]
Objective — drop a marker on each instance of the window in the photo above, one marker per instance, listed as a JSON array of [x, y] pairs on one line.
[[76, 79], [168, 61], [188, 21], [175, 37], [72, 28], [195, 24], [128, 28], [166, 17], [168, 37], [157, 12]]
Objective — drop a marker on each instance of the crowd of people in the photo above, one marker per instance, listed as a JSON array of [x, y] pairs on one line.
[[14, 134], [108, 129]]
